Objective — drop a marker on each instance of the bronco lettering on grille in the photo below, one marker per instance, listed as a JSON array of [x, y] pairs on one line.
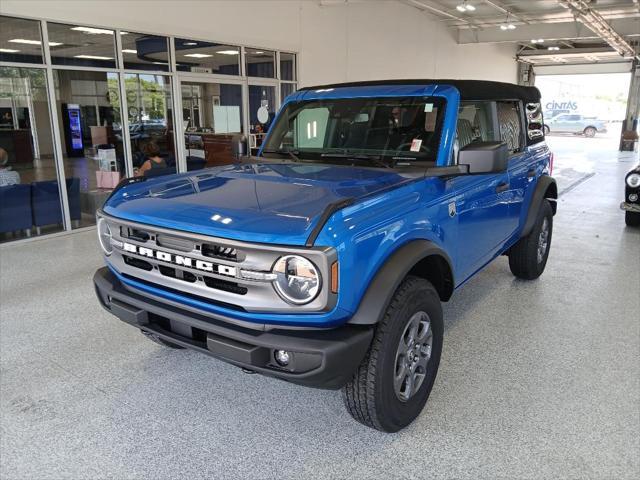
[[180, 260]]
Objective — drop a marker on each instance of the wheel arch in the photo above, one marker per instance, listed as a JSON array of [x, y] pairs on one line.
[[421, 258], [546, 189]]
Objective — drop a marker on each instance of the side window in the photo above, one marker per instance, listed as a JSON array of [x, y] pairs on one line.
[[510, 125], [474, 123]]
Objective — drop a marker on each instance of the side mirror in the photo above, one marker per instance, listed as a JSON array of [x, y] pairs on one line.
[[239, 146], [484, 157]]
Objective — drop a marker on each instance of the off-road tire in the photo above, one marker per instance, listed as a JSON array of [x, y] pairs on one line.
[[590, 132], [370, 396], [632, 219], [161, 341], [523, 256]]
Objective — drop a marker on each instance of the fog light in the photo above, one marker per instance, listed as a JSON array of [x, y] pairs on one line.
[[633, 197], [282, 357]]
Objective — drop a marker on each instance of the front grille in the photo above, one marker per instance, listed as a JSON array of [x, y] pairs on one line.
[[134, 234], [219, 251], [175, 273], [136, 262], [225, 285], [185, 294]]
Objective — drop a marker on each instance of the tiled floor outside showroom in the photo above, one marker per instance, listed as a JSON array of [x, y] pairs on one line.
[[538, 379]]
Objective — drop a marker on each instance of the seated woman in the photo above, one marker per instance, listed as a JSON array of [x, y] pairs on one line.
[[153, 159]]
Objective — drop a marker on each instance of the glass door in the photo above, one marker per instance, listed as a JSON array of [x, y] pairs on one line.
[[212, 113], [263, 106]]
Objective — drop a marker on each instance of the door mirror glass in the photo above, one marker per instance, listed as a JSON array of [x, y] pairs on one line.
[[484, 157]]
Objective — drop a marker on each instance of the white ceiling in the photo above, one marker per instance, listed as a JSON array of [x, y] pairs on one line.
[[572, 39]]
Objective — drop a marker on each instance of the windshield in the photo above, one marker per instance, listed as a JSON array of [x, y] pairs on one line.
[[390, 129]]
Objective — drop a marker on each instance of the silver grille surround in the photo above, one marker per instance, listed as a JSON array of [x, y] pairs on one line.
[[261, 296]]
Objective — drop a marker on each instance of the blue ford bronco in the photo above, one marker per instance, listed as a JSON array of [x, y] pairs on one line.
[[324, 259]]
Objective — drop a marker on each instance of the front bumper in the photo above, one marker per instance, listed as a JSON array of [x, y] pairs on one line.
[[321, 358], [630, 207]]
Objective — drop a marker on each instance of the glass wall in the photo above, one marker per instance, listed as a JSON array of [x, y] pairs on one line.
[[20, 40], [97, 104], [90, 125], [262, 110], [81, 46], [151, 129], [206, 57], [29, 190], [144, 52], [212, 115]]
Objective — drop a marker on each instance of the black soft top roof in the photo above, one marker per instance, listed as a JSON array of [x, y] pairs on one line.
[[469, 89]]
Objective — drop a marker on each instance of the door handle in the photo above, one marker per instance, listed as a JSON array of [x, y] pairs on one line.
[[503, 187], [531, 173]]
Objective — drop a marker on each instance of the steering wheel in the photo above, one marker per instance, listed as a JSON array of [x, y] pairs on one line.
[[406, 147]]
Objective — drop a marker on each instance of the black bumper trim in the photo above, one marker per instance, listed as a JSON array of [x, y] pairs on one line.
[[321, 358]]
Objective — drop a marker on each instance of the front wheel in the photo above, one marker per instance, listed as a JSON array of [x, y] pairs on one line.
[[528, 257], [590, 132], [392, 384], [632, 219]]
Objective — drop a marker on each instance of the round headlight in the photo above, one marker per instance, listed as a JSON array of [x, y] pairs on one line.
[[633, 180], [297, 279], [104, 236]]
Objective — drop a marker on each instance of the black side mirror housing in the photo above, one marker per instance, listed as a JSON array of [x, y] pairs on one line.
[[239, 146], [484, 157]]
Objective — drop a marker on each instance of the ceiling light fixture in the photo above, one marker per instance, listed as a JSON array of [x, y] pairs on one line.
[[190, 44], [128, 50], [507, 25], [537, 40], [34, 42], [8, 50], [553, 49], [228, 52], [198, 55], [93, 31], [92, 57], [465, 7]]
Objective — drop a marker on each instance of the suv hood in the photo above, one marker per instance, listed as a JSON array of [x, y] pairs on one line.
[[269, 203]]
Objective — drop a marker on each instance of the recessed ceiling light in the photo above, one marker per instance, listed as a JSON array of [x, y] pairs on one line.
[[128, 50], [92, 57], [553, 48], [228, 52], [34, 42], [93, 31], [8, 50], [258, 52], [198, 55], [190, 43], [537, 40]]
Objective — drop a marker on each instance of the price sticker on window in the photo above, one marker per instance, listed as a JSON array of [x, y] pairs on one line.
[[428, 107], [415, 145]]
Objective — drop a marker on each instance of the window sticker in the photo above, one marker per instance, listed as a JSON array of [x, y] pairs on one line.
[[415, 145], [428, 107]]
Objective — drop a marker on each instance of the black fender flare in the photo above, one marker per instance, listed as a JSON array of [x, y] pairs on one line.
[[546, 188], [387, 279]]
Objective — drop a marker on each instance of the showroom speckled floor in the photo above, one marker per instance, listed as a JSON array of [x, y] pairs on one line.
[[538, 379]]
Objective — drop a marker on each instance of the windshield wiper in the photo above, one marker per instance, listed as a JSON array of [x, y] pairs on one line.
[[373, 159], [293, 154]]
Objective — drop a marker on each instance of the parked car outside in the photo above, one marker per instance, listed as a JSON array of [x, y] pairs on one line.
[[574, 123], [631, 203], [324, 259]]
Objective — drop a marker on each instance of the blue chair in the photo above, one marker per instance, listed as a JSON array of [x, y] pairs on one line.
[[15, 208], [45, 201]]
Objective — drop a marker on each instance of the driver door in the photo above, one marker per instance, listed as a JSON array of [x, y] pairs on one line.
[[483, 215]]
